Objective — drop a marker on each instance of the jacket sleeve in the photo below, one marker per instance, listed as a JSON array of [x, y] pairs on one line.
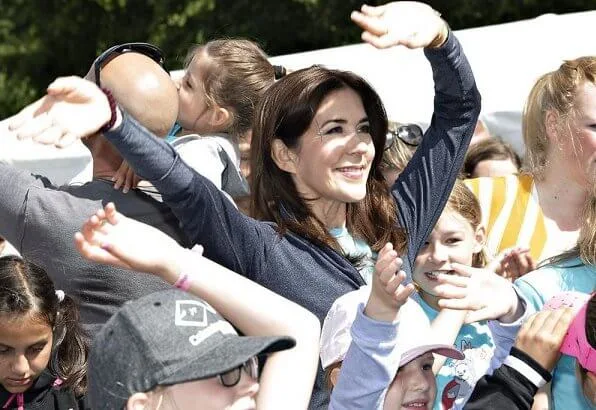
[[206, 215], [369, 367], [424, 186], [511, 386]]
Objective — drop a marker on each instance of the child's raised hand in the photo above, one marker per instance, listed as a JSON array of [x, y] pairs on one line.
[[408, 23], [513, 263], [481, 291], [387, 292], [111, 238]]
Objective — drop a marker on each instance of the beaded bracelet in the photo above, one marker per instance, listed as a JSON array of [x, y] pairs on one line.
[[183, 282], [112, 101]]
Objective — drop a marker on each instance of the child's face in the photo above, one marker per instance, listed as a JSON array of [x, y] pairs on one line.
[[213, 394], [414, 386], [452, 240], [194, 112], [25, 350]]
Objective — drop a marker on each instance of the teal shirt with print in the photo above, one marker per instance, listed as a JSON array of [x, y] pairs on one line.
[[457, 378]]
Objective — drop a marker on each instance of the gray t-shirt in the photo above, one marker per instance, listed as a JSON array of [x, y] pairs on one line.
[[40, 220]]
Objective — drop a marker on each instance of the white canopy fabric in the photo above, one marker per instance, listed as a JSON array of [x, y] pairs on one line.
[[506, 60]]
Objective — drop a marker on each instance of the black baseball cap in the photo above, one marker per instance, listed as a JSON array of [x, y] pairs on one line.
[[166, 338]]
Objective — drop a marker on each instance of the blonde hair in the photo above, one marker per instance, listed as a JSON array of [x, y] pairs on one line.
[[555, 91], [238, 74], [587, 236], [464, 202]]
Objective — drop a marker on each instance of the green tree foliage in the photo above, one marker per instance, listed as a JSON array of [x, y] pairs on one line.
[[42, 39]]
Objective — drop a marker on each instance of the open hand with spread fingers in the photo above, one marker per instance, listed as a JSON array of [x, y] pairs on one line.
[[514, 262], [111, 238], [73, 108], [481, 291], [388, 293], [407, 23]]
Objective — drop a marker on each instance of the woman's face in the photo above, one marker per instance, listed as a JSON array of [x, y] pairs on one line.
[[194, 112], [334, 156], [452, 240], [414, 386], [210, 394], [581, 155], [25, 351]]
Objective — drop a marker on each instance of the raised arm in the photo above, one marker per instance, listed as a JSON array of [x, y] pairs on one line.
[[372, 359], [109, 237], [423, 188], [76, 108]]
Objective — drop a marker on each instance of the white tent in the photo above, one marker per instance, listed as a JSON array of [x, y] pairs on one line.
[[506, 60]]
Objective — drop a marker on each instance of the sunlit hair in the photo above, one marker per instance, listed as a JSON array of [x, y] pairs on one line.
[[553, 92], [489, 149], [463, 202], [27, 290], [587, 235], [398, 154], [285, 113], [236, 76]]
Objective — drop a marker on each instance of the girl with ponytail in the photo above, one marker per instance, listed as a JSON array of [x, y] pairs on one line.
[[43, 349]]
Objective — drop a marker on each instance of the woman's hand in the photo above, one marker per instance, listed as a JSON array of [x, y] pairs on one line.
[[387, 292], [111, 238], [73, 108], [481, 291], [407, 23]]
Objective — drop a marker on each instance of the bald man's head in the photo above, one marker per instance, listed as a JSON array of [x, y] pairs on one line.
[[143, 88]]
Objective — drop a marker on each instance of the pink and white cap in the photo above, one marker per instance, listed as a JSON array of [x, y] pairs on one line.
[[576, 342], [413, 337]]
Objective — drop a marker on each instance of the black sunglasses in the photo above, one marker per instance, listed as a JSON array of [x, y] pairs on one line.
[[409, 134], [146, 49]]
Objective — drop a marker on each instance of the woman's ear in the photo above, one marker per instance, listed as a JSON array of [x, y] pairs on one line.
[[334, 375], [480, 238], [283, 157], [138, 401]]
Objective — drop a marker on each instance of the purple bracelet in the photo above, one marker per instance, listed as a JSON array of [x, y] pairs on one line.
[[112, 101]]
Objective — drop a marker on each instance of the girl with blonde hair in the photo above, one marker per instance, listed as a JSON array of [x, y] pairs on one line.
[[541, 209]]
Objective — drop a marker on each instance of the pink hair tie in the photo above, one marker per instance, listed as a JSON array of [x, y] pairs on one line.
[[183, 282]]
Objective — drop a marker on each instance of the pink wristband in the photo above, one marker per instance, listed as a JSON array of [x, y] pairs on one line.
[[183, 282]]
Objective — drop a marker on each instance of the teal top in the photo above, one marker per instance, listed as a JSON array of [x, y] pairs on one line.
[[457, 378], [357, 249], [536, 288]]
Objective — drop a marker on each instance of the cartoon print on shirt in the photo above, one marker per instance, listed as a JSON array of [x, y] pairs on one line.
[[464, 374]]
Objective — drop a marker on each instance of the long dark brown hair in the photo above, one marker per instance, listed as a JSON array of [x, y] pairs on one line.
[[27, 289], [285, 113]]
